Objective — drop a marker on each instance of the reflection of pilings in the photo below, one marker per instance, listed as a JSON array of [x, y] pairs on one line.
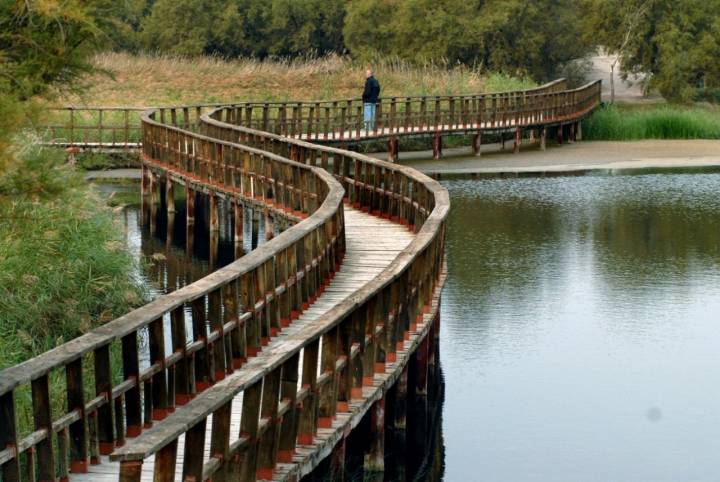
[[238, 221], [214, 244], [170, 229], [213, 206], [375, 455], [254, 230], [398, 423], [154, 201], [189, 219]]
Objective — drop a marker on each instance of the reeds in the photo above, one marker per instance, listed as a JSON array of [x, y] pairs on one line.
[[653, 122], [149, 80]]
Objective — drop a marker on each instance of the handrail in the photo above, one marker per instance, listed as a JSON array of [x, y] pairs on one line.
[[257, 155], [119, 126], [289, 269], [404, 288]]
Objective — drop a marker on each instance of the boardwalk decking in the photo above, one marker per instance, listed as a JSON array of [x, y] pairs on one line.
[[372, 244]]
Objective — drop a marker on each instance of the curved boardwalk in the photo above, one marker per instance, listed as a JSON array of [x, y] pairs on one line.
[[372, 244], [262, 369]]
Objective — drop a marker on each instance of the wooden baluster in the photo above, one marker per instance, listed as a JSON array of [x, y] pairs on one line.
[[78, 429], [165, 461], [328, 391], [103, 387], [8, 436], [202, 357], [249, 424], [267, 447], [289, 422], [159, 380], [42, 415], [309, 414], [220, 440], [193, 456]]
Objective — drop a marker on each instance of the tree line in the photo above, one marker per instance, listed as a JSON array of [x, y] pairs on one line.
[[675, 43]]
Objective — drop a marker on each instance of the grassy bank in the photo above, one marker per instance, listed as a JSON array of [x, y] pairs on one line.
[[149, 80], [625, 123], [63, 265]]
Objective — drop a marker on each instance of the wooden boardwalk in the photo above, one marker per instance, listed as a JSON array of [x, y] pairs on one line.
[[372, 244]]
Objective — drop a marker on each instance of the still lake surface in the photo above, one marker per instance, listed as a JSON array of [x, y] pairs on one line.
[[580, 326], [581, 329]]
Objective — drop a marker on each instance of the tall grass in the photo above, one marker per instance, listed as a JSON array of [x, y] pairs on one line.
[[147, 80], [63, 265], [656, 122]]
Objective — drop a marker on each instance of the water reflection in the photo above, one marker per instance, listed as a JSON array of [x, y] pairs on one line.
[[579, 332]]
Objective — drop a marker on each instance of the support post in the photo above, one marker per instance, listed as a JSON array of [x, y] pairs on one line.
[[543, 138], [393, 149], [437, 146], [269, 226], [214, 224], [375, 456], [170, 196], [476, 144], [337, 462], [518, 139], [238, 221], [578, 131], [559, 133]]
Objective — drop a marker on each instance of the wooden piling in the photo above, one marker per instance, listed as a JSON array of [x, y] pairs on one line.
[[476, 144], [437, 146], [518, 140], [375, 455], [393, 149]]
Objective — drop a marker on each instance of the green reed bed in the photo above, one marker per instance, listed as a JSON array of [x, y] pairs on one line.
[[63, 265], [612, 122]]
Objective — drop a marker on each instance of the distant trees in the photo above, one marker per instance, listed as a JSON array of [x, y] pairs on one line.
[[675, 43], [514, 36], [232, 28]]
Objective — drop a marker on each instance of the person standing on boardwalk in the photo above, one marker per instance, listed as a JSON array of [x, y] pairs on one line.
[[370, 99]]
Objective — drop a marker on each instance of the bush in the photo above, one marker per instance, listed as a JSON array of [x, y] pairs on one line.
[[63, 265], [663, 122]]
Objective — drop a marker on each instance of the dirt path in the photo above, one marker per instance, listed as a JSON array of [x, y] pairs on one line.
[[580, 156]]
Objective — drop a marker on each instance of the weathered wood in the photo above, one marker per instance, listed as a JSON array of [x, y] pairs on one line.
[[225, 161]]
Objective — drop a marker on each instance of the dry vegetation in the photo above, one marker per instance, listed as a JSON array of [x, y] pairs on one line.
[[150, 80]]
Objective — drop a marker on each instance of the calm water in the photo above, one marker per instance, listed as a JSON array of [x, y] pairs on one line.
[[581, 329]]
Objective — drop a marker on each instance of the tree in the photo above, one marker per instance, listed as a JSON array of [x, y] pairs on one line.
[[674, 44], [513, 36], [43, 43]]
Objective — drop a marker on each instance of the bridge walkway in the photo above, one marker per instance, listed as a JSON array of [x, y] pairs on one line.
[[372, 243]]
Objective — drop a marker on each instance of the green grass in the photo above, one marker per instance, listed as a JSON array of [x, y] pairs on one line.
[[612, 122], [63, 264]]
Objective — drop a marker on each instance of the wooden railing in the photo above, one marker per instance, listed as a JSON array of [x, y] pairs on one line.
[[340, 352], [234, 312], [342, 121], [290, 391], [114, 128]]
